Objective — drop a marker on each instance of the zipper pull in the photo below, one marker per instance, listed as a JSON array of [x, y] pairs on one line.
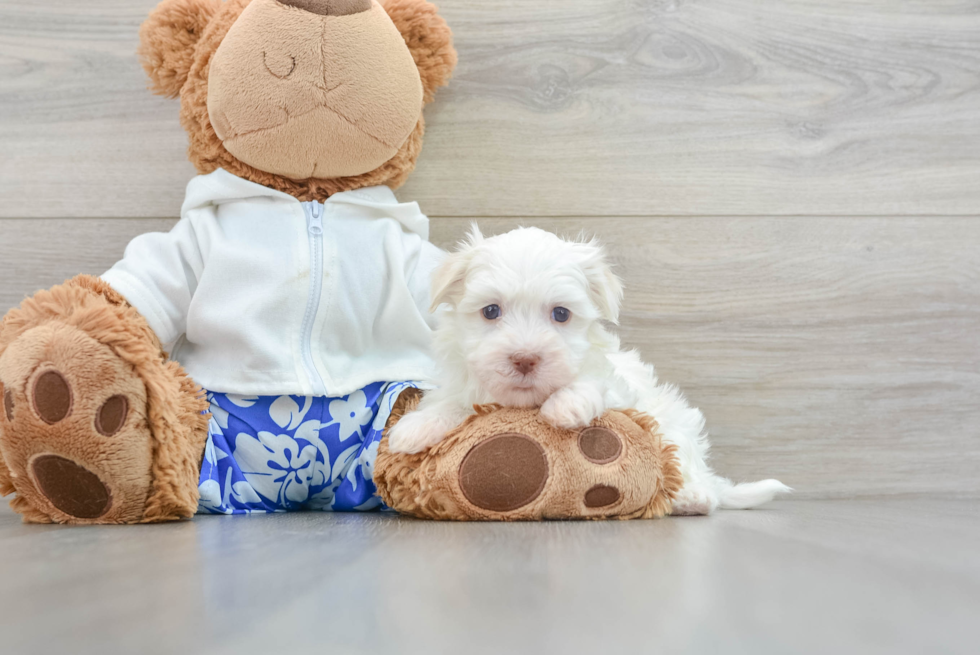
[[316, 218]]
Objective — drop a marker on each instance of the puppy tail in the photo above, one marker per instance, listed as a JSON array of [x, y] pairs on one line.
[[749, 494]]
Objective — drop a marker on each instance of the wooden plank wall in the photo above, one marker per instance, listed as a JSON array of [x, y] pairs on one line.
[[791, 191]]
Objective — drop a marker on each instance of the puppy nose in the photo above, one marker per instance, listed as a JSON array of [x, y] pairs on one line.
[[525, 363], [330, 7]]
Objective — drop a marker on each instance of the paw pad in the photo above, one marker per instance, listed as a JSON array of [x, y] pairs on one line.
[[52, 397], [503, 473], [111, 416], [72, 489], [601, 495], [600, 445]]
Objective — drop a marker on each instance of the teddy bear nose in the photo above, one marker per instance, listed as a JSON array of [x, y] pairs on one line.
[[525, 363], [330, 7]]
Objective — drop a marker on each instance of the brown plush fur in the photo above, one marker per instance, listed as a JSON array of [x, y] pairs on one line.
[[6, 484], [427, 484], [103, 347], [301, 95], [167, 41], [429, 40], [164, 40]]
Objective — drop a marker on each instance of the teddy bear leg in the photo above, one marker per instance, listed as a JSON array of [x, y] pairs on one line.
[[96, 426], [507, 464]]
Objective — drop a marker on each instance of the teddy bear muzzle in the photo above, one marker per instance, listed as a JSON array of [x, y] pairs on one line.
[[314, 88]]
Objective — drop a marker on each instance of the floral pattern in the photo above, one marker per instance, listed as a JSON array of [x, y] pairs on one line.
[[283, 453]]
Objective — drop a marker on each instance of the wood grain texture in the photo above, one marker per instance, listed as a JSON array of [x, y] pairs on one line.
[[607, 107], [876, 577], [841, 355]]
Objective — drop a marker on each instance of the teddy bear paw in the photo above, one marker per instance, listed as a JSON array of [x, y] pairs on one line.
[[510, 470], [74, 434]]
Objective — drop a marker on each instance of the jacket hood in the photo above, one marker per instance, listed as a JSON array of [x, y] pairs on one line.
[[222, 187]]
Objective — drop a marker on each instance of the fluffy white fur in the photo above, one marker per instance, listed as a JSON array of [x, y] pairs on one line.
[[574, 370]]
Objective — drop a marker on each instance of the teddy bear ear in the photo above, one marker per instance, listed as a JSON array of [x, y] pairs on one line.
[[167, 40], [429, 39]]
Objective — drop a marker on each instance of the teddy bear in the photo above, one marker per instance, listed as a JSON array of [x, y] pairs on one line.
[[250, 359]]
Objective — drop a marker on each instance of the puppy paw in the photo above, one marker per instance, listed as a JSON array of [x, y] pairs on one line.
[[417, 431], [695, 500], [572, 408]]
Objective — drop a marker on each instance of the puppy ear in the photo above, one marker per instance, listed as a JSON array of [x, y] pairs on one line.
[[167, 40], [428, 38], [605, 288], [449, 280]]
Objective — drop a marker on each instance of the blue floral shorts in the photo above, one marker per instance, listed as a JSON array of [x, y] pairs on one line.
[[282, 453]]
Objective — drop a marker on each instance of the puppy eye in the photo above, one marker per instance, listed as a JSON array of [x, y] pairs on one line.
[[560, 314], [491, 312]]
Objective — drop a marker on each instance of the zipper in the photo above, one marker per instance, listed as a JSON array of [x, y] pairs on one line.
[[314, 226]]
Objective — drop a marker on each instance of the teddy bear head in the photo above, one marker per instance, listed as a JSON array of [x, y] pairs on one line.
[[310, 97]]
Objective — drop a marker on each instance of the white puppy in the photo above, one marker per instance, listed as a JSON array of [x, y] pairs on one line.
[[523, 327]]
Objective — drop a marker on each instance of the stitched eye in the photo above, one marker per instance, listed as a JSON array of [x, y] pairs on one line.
[[491, 312], [560, 314], [281, 66]]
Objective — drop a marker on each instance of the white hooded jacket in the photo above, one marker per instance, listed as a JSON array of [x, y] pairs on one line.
[[260, 294]]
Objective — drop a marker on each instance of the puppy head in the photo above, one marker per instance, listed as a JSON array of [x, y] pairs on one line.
[[523, 307]]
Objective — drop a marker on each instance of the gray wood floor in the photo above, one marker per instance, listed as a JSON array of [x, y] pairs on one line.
[[897, 575]]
